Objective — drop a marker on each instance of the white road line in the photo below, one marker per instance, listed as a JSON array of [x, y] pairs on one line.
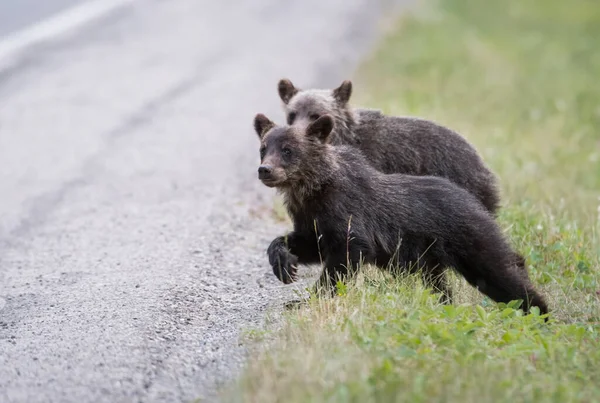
[[60, 24]]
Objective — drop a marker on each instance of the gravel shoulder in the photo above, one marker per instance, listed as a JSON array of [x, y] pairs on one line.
[[132, 225]]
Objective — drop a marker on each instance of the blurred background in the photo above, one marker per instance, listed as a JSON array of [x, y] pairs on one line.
[[17, 14]]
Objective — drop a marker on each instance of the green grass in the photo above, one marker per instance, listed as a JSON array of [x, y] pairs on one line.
[[521, 80]]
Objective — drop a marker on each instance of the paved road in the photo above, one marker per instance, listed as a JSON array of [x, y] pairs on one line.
[[132, 225], [18, 14]]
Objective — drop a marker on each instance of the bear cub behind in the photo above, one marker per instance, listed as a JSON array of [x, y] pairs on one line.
[[345, 213], [394, 144]]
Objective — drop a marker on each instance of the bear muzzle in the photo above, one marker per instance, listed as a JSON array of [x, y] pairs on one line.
[[265, 172]]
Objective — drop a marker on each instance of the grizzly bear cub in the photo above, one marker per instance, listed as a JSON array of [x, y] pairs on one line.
[[394, 144], [345, 213]]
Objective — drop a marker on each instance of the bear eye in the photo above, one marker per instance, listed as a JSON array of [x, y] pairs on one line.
[[263, 151], [291, 118], [314, 117], [286, 151]]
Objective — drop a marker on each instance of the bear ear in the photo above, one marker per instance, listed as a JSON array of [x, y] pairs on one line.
[[262, 124], [286, 90], [321, 128], [343, 92]]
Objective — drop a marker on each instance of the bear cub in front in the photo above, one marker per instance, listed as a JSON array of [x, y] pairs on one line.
[[345, 213], [394, 144]]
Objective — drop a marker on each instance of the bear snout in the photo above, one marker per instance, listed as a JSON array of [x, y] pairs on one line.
[[265, 172]]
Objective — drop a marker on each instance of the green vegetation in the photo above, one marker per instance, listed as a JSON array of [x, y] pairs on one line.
[[521, 80]]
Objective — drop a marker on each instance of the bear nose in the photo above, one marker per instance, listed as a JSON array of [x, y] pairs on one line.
[[264, 171]]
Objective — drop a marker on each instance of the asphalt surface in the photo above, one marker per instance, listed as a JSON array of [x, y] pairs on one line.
[[17, 14], [133, 228]]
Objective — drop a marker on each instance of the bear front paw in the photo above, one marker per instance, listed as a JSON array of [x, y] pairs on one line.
[[285, 267]]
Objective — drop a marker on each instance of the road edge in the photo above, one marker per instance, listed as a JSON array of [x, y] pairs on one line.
[[55, 28]]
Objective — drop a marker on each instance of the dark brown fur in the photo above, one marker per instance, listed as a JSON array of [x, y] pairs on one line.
[[390, 220], [394, 144]]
